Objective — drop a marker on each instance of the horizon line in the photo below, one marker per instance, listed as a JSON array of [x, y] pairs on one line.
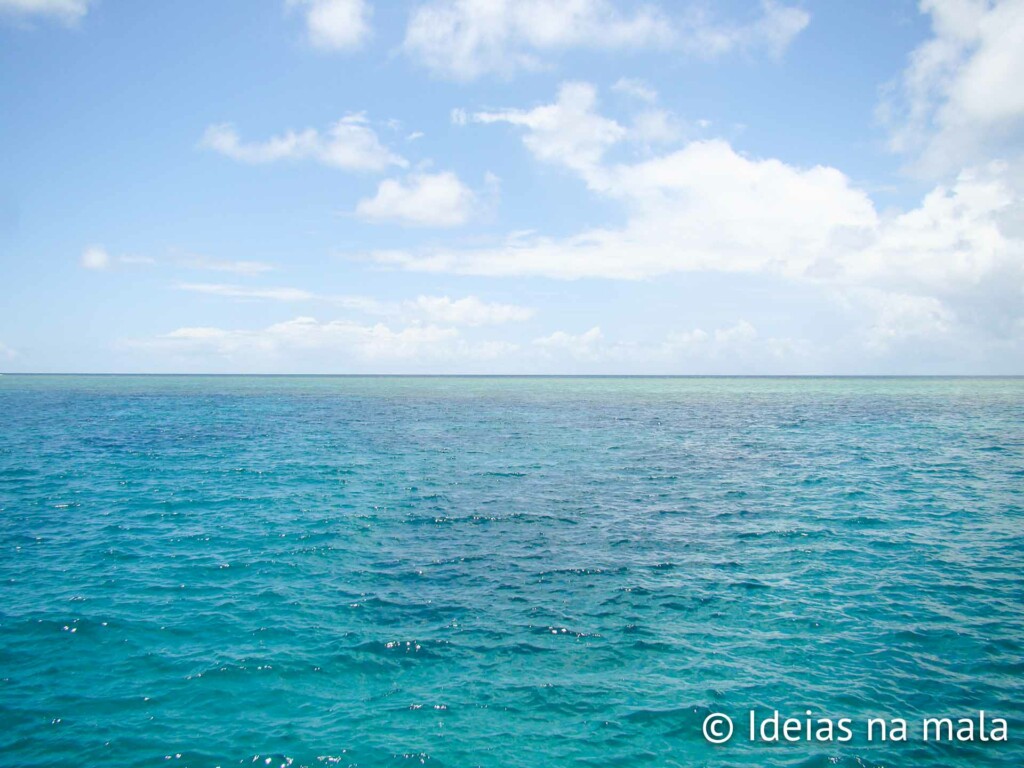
[[536, 375]]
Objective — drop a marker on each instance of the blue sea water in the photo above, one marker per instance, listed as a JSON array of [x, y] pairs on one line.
[[203, 571]]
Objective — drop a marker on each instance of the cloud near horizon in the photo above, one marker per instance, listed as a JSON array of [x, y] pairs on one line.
[[309, 345], [705, 207], [306, 341], [609, 185]]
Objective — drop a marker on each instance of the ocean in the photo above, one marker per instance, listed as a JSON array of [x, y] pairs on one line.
[[381, 571]]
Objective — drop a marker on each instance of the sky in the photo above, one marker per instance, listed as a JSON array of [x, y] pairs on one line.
[[512, 186]]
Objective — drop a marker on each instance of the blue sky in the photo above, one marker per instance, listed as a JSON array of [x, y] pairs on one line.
[[490, 186]]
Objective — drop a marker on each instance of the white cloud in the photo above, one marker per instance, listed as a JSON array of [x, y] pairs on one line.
[[956, 259], [245, 292], [339, 25], [953, 240], [772, 31], [708, 207], [470, 311], [582, 346], [332, 345], [465, 39], [422, 199], [310, 345], [636, 89], [95, 257], [960, 96], [741, 333], [900, 317], [65, 11], [350, 144], [696, 349], [6, 352], [704, 207], [736, 346], [568, 132]]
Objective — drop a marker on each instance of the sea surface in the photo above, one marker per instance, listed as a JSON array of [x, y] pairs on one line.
[[236, 571]]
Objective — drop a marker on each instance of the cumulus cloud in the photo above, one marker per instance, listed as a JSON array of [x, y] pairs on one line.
[[421, 199], [959, 98], [338, 25], [956, 238], [350, 144], [704, 207], [955, 264], [64, 11], [6, 352], [569, 132], [708, 207]]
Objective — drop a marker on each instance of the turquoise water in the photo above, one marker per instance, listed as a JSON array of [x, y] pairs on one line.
[[504, 572]]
